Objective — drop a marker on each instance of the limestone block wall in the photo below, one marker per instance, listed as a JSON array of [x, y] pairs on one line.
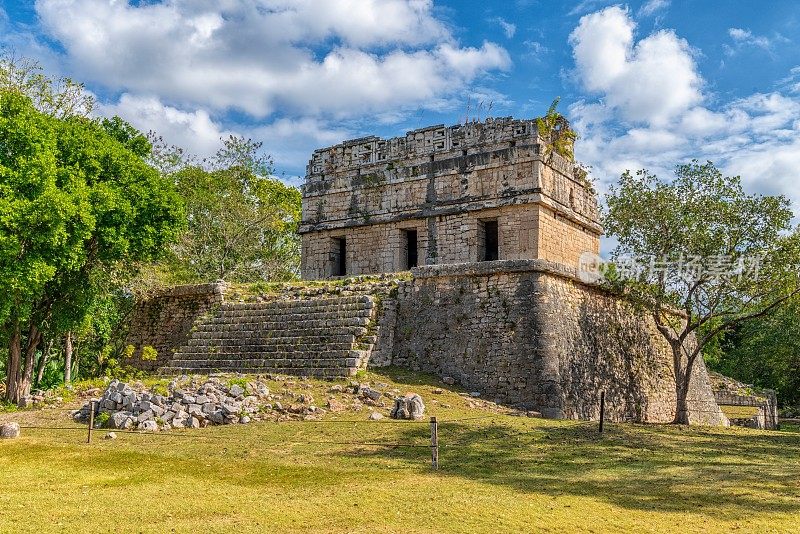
[[528, 333], [165, 321], [443, 182]]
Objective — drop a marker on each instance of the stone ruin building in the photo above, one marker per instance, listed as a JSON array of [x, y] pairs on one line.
[[444, 195], [491, 224]]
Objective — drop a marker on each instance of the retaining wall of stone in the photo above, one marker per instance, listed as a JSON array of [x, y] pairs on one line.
[[164, 321], [529, 333]]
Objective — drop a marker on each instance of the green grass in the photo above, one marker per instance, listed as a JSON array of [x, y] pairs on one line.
[[498, 474]]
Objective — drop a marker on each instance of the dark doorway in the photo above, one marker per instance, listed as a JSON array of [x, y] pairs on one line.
[[490, 240], [339, 256], [411, 250]]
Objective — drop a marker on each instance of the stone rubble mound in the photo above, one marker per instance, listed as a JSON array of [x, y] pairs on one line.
[[193, 403]]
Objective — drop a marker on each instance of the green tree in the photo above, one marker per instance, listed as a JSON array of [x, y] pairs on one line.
[[242, 222], [709, 250], [56, 97], [765, 352], [76, 206]]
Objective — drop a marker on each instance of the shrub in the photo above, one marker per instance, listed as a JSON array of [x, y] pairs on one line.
[[149, 354], [101, 420]]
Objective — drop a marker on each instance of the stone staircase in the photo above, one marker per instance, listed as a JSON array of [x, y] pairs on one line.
[[321, 335]]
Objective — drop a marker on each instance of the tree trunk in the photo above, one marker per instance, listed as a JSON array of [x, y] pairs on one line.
[[12, 368], [68, 358], [24, 384], [683, 377], [43, 362]]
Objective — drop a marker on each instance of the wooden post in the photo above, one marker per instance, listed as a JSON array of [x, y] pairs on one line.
[[92, 407], [602, 409], [434, 443]]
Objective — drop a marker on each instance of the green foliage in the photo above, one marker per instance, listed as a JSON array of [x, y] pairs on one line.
[[129, 351], [555, 130], [101, 419], [149, 354], [701, 216], [242, 222], [764, 352], [128, 136], [704, 215], [242, 382], [77, 211], [59, 97]]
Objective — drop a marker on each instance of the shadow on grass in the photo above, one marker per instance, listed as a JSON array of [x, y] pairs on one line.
[[664, 468]]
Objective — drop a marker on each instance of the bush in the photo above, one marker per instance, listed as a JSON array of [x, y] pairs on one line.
[[149, 354], [101, 420]]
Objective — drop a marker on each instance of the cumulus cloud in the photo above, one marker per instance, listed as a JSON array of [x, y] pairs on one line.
[[338, 57], [650, 81], [652, 112], [287, 140]]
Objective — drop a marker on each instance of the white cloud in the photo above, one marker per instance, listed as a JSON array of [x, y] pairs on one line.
[[744, 37], [192, 130], [650, 81], [288, 141], [508, 28], [338, 58], [632, 126], [653, 6]]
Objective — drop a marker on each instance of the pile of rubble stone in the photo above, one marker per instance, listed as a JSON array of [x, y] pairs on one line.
[[194, 404]]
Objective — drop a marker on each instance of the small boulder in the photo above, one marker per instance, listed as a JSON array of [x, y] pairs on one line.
[[148, 426], [410, 406], [120, 420], [9, 431], [375, 416], [110, 435], [236, 390], [449, 380], [145, 416], [371, 393], [335, 405]]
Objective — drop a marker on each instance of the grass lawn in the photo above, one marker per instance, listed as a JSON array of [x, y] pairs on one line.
[[498, 474]]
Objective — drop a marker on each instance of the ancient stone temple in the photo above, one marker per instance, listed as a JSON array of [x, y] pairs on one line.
[[444, 195], [491, 224]]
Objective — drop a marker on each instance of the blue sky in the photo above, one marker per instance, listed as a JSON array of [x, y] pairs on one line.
[[647, 83]]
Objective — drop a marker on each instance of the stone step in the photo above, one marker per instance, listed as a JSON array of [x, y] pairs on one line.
[[256, 315], [312, 336], [294, 324], [267, 338], [319, 332], [226, 354], [318, 372], [236, 363], [352, 302], [241, 348]]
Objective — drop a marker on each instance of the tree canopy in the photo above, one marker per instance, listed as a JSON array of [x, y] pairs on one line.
[[76, 205], [700, 246], [242, 222]]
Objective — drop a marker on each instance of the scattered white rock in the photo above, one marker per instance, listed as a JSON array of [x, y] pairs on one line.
[[410, 406], [110, 435], [9, 430], [375, 416]]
